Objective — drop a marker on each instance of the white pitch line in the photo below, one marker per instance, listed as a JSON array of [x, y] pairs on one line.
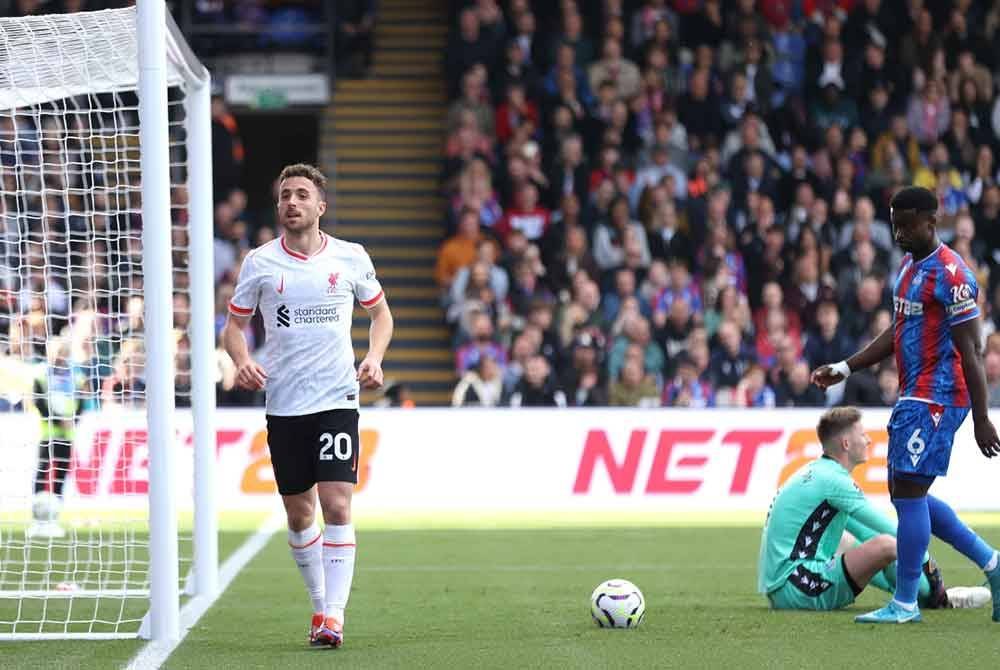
[[154, 654]]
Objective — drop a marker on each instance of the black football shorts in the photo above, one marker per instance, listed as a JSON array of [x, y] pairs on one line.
[[320, 447]]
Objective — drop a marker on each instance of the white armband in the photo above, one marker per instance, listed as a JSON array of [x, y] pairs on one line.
[[841, 368]]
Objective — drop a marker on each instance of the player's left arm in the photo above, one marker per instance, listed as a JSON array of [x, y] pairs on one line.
[[957, 291], [371, 296], [968, 340], [864, 520], [379, 335]]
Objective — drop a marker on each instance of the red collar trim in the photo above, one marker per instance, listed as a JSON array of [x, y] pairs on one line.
[[302, 257]]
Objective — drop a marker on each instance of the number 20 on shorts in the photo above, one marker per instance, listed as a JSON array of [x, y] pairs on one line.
[[339, 446]]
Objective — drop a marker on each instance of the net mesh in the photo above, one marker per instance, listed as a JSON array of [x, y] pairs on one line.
[[73, 510]]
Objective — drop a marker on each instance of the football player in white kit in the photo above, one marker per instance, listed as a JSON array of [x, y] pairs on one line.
[[304, 284]]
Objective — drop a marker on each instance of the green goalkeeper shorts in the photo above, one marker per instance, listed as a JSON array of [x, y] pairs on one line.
[[815, 585]]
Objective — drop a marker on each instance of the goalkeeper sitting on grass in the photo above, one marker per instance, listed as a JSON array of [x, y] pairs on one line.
[[823, 541]]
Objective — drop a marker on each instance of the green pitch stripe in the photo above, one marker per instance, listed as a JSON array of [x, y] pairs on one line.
[[403, 519]]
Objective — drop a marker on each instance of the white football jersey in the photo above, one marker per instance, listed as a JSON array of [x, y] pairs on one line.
[[306, 303]]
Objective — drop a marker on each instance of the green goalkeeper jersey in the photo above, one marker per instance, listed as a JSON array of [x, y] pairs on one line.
[[809, 515]]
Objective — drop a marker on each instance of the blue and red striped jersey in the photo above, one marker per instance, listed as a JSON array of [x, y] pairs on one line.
[[929, 297]]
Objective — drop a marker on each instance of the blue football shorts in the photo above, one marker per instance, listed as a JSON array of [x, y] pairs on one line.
[[920, 437]]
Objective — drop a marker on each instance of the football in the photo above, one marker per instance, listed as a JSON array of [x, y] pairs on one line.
[[617, 603]]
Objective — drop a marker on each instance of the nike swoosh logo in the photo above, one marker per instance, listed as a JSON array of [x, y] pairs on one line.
[[281, 286]]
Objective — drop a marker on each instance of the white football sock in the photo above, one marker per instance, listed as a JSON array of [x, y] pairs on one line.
[[307, 550], [338, 565], [992, 565]]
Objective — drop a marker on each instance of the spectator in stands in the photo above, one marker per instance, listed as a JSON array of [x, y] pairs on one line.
[[872, 388], [488, 273], [475, 190], [649, 20], [572, 35], [583, 381], [514, 69], [541, 316], [619, 235], [355, 32], [492, 25], [634, 387], [482, 343], [681, 286], [685, 389], [636, 331], [466, 48], [753, 390], [569, 173], [992, 365], [517, 116], [625, 288], [928, 113], [827, 341], [773, 300], [127, 383], [472, 294], [867, 301], [474, 101], [481, 385], [728, 305], [833, 107], [615, 68], [459, 250], [798, 391], [463, 147], [537, 388], [574, 257], [527, 41], [524, 346], [655, 172], [731, 358], [805, 288]]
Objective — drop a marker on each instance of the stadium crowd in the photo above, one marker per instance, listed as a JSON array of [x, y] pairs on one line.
[[685, 202], [70, 264]]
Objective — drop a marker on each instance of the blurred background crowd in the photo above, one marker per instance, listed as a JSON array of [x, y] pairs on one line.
[[685, 202], [650, 203], [71, 279]]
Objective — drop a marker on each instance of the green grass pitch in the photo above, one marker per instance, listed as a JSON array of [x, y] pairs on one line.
[[518, 598]]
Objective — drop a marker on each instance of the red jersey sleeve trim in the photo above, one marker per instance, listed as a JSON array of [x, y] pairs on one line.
[[373, 301], [242, 311]]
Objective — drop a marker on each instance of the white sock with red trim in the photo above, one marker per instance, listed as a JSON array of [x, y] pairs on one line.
[[307, 550], [338, 565]]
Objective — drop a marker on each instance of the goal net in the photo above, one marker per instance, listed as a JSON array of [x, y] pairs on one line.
[[74, 536]]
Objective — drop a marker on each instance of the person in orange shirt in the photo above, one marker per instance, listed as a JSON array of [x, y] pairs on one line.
[[459, 250]]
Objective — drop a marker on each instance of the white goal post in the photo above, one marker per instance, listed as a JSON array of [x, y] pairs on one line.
[[105, 237]]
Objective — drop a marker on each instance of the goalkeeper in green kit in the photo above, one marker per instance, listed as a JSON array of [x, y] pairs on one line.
[[823, 542], [57, 397]]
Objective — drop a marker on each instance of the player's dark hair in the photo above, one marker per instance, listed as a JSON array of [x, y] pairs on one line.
[[310, 172], [835, 421], [917, 198]]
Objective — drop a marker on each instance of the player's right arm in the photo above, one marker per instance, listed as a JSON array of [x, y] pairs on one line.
[[249, 374], [877, 350]]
